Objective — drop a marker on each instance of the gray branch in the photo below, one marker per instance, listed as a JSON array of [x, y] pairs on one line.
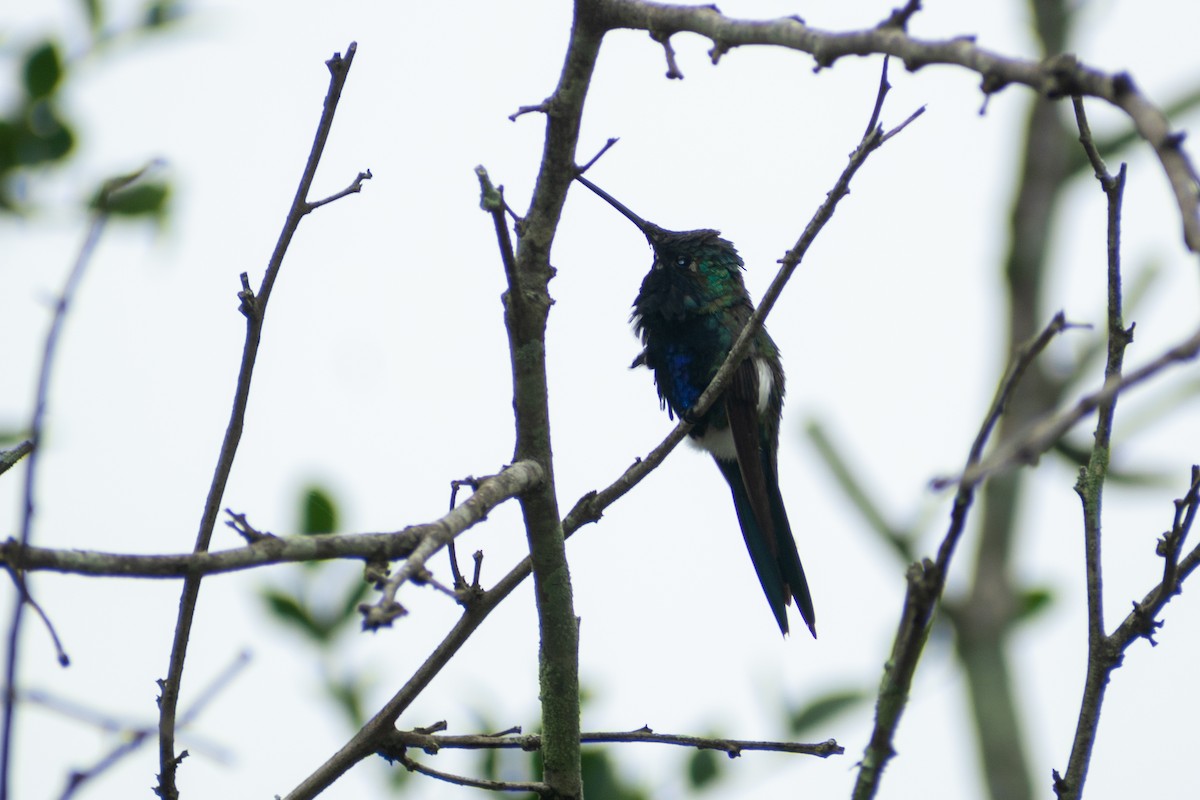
[[413, 542]]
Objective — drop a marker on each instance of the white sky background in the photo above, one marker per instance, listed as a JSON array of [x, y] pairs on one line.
[[384, 374]]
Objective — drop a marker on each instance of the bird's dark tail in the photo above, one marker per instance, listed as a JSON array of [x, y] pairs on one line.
[[777, 563]]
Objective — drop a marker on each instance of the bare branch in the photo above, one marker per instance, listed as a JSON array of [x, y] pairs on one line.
[[512, 482], [398, 740], [673, 72], [253, 307], [538, 788], [1027, 448], [354, 188], [275, 550], [1090, 486], [9, 458], [33, 447], [927, 581], [132, 740], [1058, 76]]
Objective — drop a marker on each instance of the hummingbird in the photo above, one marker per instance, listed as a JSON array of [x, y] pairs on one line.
[[691, 307]]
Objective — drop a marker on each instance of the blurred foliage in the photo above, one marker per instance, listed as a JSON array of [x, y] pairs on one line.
[[322, 606], [38, 135], [1033, 601], [148, 198], [805, 720], [704, 768]]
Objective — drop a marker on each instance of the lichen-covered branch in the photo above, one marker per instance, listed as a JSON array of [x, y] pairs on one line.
[[415, 543]]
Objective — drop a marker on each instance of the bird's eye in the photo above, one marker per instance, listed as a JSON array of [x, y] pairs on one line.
[[682, 261]]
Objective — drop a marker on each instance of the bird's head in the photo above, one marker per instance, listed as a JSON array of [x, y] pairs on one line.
[[697, 251]]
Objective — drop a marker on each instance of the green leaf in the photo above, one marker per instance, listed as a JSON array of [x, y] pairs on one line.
[[43, 70], [143, 199], [318, 512], [348, 694], [824, 708], [41, 135], [291, 611], [1033, 601], [600, 778], [703, 768]]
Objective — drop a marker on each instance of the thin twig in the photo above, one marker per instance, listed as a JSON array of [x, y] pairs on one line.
[[673, 72], [493, 202], [253, 308], [134, 739], [354, 188], [1102, 658], [41, 398], [513, 481], [396, 740], [538, 788], [926, 582], [10, 458], [607, 145], [1027, 448], [1171, 544]]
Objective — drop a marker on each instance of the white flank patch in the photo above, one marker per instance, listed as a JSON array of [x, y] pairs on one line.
[[719, 443], [766, 383]]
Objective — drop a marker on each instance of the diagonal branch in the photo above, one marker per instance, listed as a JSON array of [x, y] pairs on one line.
[[514, 481], [534, 787], [254, 308], [1027, 448], [926, 582]]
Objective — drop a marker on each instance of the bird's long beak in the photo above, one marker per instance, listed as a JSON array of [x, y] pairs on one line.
[[649, 228]]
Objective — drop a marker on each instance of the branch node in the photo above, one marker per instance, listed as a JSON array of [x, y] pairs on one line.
[[1145, 625], [247, 531], [376, 572], [1062, 76], [898, 20], [1122, 84], [339, 65], [380, 615], [249, 303]]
